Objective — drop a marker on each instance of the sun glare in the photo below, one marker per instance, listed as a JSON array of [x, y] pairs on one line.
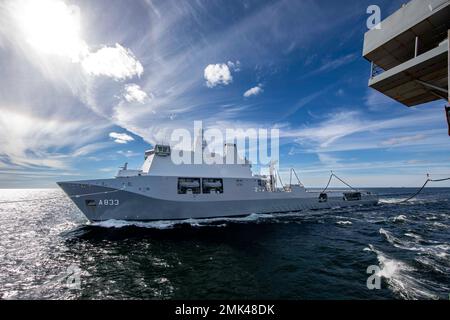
[[51, 27]]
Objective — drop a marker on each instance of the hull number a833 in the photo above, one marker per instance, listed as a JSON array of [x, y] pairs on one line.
[[108, 202]]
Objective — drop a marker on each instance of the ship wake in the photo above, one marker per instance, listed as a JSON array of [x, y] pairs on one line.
[[170, 224], [401, 278]]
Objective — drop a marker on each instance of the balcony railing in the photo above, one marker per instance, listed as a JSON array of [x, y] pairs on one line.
[[375, 70]]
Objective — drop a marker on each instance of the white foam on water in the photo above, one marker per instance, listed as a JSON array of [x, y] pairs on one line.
[[389, 237], [218, 222], [392, 200], [433, 264], [390, 267], [10, 295], [434, 249], [209, 222], [440, 225], [400, 218], [401, 201], [413, 235], [170, 224], [408, 284], [401, 278], [117, 224], [344, 223]]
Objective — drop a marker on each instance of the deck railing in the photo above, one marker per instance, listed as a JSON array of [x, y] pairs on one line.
[[375, 70]]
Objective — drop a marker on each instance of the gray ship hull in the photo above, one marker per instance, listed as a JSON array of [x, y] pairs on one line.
[[99, 203]]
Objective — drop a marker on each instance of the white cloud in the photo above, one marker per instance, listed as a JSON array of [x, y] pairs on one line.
[[377, 101], [115, 62], [350, 130], [330, 65], [253, 91], [134, 93], [335, 127], [334, 64], [403, 140], [328, 159], [45, 141], [128, 153], [121, 138], [305, 101], [216, 74]]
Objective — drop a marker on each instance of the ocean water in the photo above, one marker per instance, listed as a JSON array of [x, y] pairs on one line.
[[50, 251]]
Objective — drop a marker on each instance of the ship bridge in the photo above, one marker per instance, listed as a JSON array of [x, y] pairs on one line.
[[409, 53]]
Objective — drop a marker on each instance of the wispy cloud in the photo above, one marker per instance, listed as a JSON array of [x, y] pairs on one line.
[[305, 101], [28, 140], [331, 64], [376, 101], [337, 63], [353, 130], [403, 140], [129, 153], [336, 126], [328, 159], [108, 169], [234, 66]]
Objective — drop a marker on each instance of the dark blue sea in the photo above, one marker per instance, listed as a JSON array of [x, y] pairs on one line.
[[50, 251]]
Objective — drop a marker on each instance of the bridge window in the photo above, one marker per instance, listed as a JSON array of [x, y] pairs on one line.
[[161, 150]]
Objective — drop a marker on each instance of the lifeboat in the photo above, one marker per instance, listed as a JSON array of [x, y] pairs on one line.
[[190, 184], [212, 184]]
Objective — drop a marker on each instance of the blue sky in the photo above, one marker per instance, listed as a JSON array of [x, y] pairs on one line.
[[88, 85]]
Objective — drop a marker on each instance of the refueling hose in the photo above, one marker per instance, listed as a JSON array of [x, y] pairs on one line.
[[402, 201]]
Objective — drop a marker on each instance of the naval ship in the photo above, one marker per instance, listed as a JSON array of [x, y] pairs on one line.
[[163, 190]]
